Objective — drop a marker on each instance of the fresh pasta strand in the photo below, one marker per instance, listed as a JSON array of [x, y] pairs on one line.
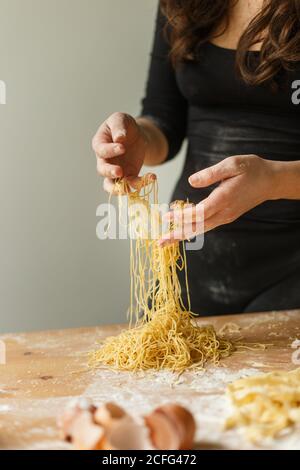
[[162, 332], [266, 404]]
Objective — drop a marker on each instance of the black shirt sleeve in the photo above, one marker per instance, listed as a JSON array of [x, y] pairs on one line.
[[164, 104]]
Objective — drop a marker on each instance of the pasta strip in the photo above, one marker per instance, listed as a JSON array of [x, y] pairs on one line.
[[266, 404]]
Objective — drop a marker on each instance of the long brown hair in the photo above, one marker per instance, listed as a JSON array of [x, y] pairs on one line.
[[191, 23]]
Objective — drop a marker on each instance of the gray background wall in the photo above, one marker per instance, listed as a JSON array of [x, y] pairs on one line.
[[67, 65]]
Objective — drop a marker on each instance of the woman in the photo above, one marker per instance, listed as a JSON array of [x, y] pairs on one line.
[[225, 74]]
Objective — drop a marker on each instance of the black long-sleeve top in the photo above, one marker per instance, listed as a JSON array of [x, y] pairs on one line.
[[207, 102]]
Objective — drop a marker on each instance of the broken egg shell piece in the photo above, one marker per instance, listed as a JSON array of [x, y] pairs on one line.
[[85, 434], [184, 422], [108, 414], [127, 434], [172, 427], [162, 432], [70, 414]]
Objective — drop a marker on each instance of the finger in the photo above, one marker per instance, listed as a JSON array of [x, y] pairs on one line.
[[216, 202], [185, 232], [216, 173], [213, 222], [108, 134], [190, 231], [138, 182], [110, 187], [193, 213], [180, 205], [107, 170], [104, 150], [118, 124], [102, 136]]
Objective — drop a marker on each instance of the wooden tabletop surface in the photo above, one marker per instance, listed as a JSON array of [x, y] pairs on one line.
[[45, 370]]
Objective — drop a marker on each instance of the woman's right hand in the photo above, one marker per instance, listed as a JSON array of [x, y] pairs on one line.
[[120, 146]]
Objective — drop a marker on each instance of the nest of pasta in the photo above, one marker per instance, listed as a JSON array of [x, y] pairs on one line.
[[166, 335]]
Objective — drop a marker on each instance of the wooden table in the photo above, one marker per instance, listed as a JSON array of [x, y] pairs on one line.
[[44, 371]]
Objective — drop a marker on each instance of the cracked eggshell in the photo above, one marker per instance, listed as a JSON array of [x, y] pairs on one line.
[[172, 427], [85, 434], [108, 414], [127, 434], [66, 420]]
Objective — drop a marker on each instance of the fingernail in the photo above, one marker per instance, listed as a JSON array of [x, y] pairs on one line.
[[121, 134], [193, 179]]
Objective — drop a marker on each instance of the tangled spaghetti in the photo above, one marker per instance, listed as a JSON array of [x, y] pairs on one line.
[[162, 332]]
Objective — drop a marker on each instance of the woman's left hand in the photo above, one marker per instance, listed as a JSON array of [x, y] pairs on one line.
[[245, 181]]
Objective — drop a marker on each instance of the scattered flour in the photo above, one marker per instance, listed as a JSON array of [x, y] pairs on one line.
[[5, 408], [203, 393]]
